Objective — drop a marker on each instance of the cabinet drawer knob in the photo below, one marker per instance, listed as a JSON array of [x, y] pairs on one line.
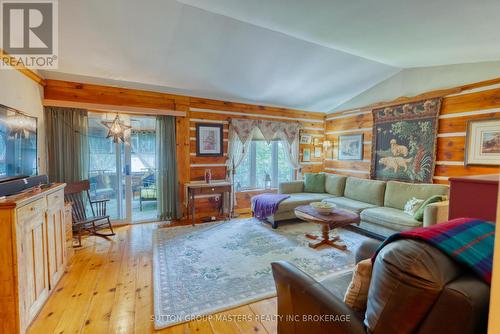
[[32, 208]]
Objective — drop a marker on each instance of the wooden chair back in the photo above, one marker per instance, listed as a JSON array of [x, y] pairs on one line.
[[74, 193]]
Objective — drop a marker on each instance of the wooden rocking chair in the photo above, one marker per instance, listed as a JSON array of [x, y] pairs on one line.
[[81, 222]]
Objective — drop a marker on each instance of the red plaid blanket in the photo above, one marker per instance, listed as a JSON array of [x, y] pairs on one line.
[[466, 240]]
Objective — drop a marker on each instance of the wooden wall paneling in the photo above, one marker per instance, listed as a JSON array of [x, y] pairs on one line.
[[460, 104], [350, 123], [451, 171], [243, 107], [470, 102], [457, 109], [451, 149], [203, 110], [198, 173], [192, 146], [98, 94], [459, 124]]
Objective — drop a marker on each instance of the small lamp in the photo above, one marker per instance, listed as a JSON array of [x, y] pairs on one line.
[[208, 176], [267, 182]]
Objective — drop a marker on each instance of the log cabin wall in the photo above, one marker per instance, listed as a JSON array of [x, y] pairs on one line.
[[220, 112], [460, 105], [191, 111]]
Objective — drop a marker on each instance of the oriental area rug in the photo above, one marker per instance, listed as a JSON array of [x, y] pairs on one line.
[[209, 268]]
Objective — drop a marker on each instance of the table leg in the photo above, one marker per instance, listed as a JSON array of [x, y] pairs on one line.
[[192, 207], [221, 209], [311, 236], [325, 239]]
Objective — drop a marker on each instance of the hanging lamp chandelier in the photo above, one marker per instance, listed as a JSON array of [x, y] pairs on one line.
[[116, 129]]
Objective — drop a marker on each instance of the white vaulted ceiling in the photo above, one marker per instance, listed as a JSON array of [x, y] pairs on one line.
[[312, 55]]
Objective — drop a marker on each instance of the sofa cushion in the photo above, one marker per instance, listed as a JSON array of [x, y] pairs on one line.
[[335, 184], [356, 295], [314, 183], [349, 204], [369, 191], [398, 193], [419, 214], [291, 187], [297, 199], [388, 217]]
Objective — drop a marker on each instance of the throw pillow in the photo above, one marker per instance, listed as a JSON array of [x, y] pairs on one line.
[[356, 295], [314, 183], [419, 215], [412, 206]]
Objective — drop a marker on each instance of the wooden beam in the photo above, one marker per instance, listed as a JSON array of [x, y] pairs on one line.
[[112, 108], [107, 95], [12, 61]]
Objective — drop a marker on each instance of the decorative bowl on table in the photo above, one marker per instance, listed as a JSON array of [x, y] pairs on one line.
[[323, 208]]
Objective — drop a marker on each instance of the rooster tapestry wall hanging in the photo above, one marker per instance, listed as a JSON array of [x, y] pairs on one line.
[[404, 141]]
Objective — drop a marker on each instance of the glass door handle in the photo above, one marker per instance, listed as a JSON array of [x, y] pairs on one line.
[[127, 170]]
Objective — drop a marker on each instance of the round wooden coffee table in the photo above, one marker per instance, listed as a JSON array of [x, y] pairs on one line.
[[338, 218]]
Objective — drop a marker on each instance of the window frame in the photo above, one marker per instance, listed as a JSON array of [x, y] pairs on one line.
[[252, 156]]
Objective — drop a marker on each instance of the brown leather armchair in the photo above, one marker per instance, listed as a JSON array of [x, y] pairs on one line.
[[415, 288]]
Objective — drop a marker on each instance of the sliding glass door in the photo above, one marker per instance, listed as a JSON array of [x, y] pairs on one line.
[[124, 172]]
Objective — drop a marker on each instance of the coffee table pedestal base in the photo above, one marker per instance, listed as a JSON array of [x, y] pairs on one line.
[[325, 239]]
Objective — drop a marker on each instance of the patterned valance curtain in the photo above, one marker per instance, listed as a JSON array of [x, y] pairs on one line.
[[67, 144], [242, 131]]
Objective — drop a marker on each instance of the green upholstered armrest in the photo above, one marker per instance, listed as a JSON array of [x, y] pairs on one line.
[[436, 213], [291, 187]]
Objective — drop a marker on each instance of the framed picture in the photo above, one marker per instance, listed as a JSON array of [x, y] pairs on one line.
[[305, 139], [351, 147], [317, 152], [317, 141], [306, 154], [404, 141], [483, 142], [209, 140]]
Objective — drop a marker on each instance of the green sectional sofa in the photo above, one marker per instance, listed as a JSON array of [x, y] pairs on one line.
[[380, 204]]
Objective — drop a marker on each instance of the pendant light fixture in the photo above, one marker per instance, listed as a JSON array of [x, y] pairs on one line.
[[116, 129]]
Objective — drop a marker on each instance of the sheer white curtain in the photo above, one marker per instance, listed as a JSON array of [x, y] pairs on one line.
[[292, 153], [241, 132], [290, 139]]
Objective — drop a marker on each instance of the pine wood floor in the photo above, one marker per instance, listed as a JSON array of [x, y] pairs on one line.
[[108, 289]]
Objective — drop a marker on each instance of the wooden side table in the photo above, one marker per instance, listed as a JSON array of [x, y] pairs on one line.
[[216, 188], [338, 218]]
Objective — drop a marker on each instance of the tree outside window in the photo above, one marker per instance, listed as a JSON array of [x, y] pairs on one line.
[[263, 159]]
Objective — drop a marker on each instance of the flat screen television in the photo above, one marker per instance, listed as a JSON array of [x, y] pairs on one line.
[[18, 144]]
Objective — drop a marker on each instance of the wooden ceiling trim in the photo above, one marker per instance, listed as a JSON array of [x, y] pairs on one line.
[[11, 61], [112, 108], [246, 114]]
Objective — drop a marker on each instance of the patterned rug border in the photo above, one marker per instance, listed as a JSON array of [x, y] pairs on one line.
[[216, 309]]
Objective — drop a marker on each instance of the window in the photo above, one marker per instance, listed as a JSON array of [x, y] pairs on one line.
[[263, 159]]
